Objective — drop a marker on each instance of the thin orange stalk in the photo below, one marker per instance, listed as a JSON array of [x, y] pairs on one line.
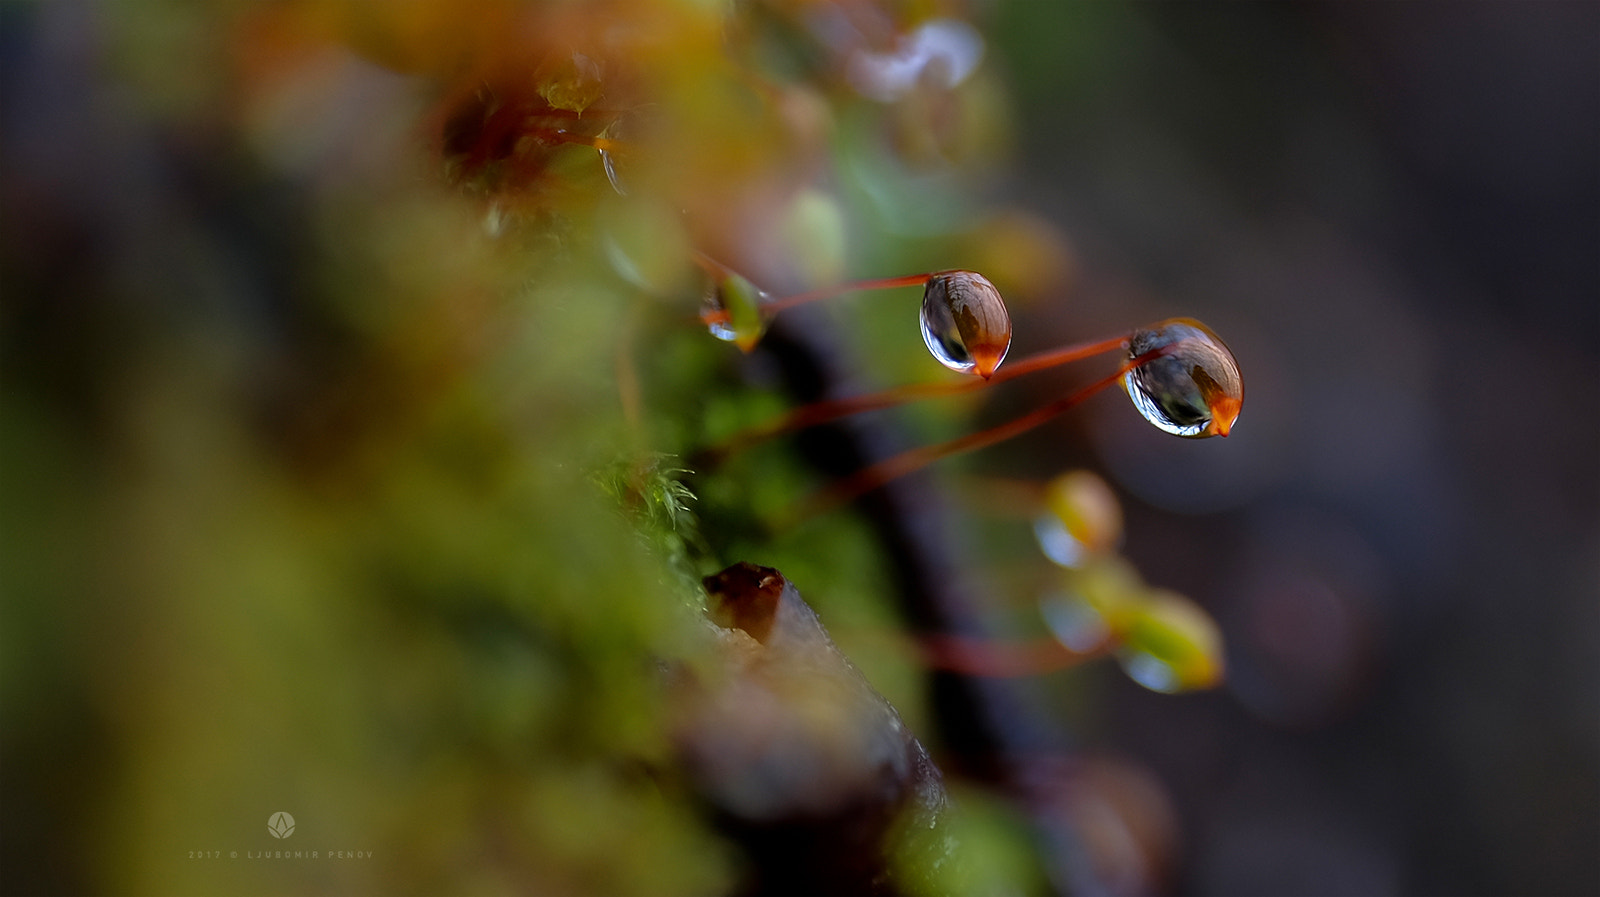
[[599, 143], [870, 478], [719, 270], [710, 265], [877, 283], [821, 412]]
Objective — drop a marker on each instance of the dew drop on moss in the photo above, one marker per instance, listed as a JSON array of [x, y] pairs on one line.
[[965, 322], [1194, 389], [743, 324]]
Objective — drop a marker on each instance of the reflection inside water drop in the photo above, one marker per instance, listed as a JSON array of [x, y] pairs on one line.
[[965, 323], [732, 311], [1194, 389], [609, 164], [1057, 542], [1149, 671], [1074, 622]]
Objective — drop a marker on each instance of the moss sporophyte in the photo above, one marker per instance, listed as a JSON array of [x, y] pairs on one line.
[[1178, 373]]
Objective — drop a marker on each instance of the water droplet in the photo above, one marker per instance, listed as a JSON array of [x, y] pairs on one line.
[[1195, 389], [574, 83], [1172, 645], [1057, 542], [965, 323], [736, 302], [1082, 518], [1149, 671], [1074, 622], [610, 165]]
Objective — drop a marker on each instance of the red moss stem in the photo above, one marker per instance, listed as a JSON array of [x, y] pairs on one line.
[[870, 478], [718, 270], [821, 412]]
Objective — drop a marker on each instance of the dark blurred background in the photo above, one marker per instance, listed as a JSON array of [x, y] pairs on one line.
[[291, 517], [1392, 211]]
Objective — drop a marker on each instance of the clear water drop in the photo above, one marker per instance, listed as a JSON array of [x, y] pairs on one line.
[[608, 162], [1192, 390], [1074, 622], [1057, 542], [1149, 671], [965, 323], [1082, 518], [733, 311], [1170, 644]]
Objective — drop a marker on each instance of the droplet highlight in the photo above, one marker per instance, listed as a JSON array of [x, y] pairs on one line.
[[965, 323], [1194, 389], [732, 311], [1082, 519], [1172, 646], [1074, 622], [609, 163]]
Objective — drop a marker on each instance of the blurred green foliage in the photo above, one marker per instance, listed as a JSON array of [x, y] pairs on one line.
[[344, 470], [337, 494]]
